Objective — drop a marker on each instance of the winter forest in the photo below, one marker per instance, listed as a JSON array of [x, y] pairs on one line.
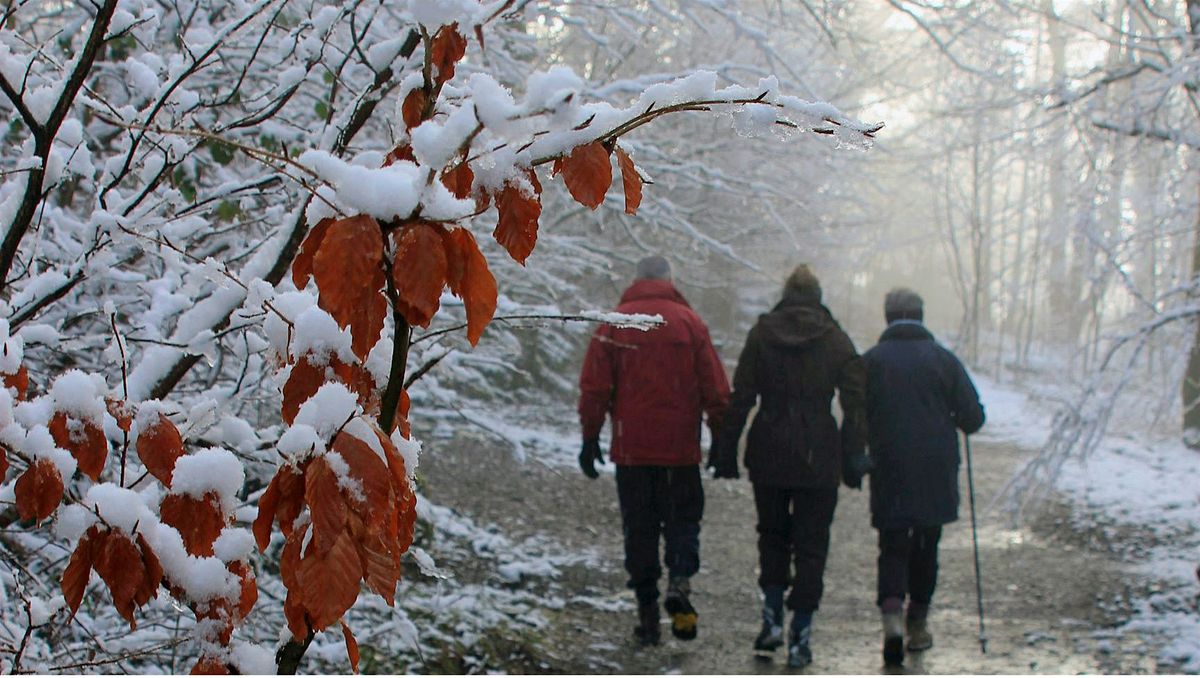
[[295, 294]]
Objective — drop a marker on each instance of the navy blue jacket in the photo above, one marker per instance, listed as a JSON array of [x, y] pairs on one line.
[[918, 397]]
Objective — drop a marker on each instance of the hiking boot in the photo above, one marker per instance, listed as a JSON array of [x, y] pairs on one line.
[[770, 638], [683, 615], [893, 639], [799, 652], [647, 631], [919, 637]]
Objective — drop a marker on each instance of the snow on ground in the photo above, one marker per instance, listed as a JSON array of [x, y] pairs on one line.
[[1129, 483]]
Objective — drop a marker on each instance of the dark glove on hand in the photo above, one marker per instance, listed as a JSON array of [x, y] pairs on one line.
[[588, 457], [854, 467], [723, 464]]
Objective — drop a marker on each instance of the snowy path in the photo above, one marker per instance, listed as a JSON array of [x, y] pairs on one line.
[[1052, 600]]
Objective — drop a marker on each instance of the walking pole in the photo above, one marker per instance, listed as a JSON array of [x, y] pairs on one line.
[[975, 544]]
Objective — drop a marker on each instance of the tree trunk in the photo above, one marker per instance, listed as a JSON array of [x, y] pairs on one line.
[[1191, 378]]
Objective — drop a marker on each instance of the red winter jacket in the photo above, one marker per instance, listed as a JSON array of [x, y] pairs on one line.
[[655, 384]]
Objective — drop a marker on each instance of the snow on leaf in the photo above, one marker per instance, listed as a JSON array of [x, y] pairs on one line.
[[419, 271], [159, 446], [517, 226], [631, 181], [39, 490], [83, 439], [587, 172], [471, 280], [371, 472], [349, 272], [120, 410]]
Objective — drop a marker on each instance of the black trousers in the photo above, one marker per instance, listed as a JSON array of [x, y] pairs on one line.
[[793, 525], [656, 501], [908, 564]]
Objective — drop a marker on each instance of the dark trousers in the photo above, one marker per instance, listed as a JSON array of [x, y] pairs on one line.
[[793, 524], [908, 564], [666, 501]]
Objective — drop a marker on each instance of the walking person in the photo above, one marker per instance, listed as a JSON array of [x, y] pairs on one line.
[[794, 358], [655, 385], [918, 397]]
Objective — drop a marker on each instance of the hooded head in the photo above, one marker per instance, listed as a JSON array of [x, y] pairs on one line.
[[802, 286], [903, 304], [653, 268]]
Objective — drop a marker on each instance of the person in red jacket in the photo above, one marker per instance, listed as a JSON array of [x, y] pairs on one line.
[[655, 385]]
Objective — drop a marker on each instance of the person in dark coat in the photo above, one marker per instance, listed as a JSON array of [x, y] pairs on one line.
[[656, 386], [918, 397], [794, 358]]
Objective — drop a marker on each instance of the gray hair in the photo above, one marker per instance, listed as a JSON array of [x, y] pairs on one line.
[[653, 268], [903, 304]]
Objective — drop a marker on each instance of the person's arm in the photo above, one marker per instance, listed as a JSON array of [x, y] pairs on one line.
[[597, 382], [710, 374], [852, 395], [741, 401], [966, 411]]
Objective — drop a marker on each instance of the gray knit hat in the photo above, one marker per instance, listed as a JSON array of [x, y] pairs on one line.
[[903, 304], [653, 268], [802, 284]]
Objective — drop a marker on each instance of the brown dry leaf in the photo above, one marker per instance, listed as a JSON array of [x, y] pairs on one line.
[[351, 646], [210, 666], [447, 48], [329, 581], [400, 152], [587, 172], [304, 381], [3, 463], [412, 111], [18, 380], [419, 272], [159, 446], [327, 505], [372, 473], [79, 569], [350, 277], [302, 267], [631, 181], [121, 411], [83, 439], [199, 521], [39, 491], [459, 180], [119, 564], [249, 588], [517, 225], [148, 590], [471, 280]]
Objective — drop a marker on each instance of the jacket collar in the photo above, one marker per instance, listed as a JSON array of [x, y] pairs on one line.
[[905, 330], [649, 288]]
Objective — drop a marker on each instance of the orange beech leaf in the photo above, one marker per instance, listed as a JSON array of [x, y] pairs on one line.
[[419, 271], [400, 152], [79, 569], [556, 167], [199, 521], [517, 226], [587, 172], [119, 564], [447, 48], [471, 280], [159, 446], [412, 111], [350, 277], [120, 410], [402, 408], [148, 590], [283, 500], [370, 470], [83, 439], [304, 381], [329, 581], [18, 380], [351, 646], [405, 506], [327, 505], [210, 666], [459, 179], [3, 463], [630, 180], [248, 590], [289, 559], [295, 614], [302, 267], [381, 565], [39, 490]]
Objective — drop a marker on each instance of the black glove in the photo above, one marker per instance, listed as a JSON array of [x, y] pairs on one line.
[[588, 457], [723, 464], [855, 465]]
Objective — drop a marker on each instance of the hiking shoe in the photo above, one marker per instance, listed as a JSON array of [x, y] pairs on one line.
[[893, 639], [683, 615], [647, 631], [799, 652], [770, 638], [919, 637]]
